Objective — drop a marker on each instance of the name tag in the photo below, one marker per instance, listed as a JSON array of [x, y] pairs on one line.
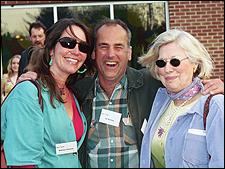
[[66, 148], [197, 132], [127, 120], [110, 117], [144, 126]]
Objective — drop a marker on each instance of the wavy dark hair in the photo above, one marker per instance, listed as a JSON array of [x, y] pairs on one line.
[[40, 57]]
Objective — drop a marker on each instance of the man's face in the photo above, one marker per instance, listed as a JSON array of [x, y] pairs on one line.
[[37, 37], [112, 53]]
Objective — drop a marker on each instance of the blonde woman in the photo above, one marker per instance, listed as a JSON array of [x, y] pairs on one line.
[[9, 80], [175, 136]]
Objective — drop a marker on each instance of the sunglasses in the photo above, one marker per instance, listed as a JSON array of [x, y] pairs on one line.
[[70, 43], [174, 62]]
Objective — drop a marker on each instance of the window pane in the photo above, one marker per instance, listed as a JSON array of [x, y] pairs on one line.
[[145, 21], [90, 15], [14, 29]]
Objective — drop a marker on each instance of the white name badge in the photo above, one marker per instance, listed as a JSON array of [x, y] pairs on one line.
[[66, 148], [127, 121], [197, 132], [110, 117], [144, 126]]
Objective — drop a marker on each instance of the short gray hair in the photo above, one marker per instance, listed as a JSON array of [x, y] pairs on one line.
[[194, 49]]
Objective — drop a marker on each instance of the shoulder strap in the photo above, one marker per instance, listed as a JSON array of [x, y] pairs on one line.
[[206, 110], [40, 100]]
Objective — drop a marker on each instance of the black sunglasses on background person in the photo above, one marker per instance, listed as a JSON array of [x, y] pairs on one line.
[[174, 62], [70, 43]]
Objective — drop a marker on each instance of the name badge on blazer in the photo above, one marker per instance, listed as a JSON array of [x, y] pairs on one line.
[[197, 132], [66, 148], [143, 127], [127, 120]]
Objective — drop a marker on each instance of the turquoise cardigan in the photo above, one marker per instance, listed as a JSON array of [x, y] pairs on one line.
[[30, 135]]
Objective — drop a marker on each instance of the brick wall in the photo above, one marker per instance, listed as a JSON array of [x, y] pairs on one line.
[[205, 21]]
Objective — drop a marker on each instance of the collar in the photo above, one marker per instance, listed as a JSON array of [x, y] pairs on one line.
[[121, 85]]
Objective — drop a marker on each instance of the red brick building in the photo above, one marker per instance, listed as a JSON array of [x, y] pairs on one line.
[[203, 19]]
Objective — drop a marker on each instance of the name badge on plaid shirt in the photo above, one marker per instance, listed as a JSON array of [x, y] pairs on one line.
[[110, 117]]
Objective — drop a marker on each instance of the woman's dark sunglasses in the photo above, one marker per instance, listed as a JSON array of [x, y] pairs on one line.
[[70, 43], [174, 62]]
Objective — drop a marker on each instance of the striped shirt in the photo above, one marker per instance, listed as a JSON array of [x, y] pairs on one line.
[[110, 146]]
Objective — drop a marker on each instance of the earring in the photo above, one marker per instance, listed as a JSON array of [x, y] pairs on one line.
[[195, 69], [50, 62], [83, 69]]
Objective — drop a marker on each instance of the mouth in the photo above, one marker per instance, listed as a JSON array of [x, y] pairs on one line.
[[37, 43], [111, 63], [72, 61], [172, 78]]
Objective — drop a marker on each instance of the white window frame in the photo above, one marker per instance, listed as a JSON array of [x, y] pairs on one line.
[[111, 5]]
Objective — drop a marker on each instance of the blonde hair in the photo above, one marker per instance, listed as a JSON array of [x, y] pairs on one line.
[[9, 67], [194, 49]]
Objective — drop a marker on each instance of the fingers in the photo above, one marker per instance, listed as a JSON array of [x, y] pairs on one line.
[[27, 76], [213, 86]]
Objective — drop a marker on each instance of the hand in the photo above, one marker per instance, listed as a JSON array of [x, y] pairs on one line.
[[27, 76], [213, 86]]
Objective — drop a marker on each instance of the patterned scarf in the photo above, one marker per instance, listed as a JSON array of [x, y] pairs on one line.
[[189, 91]]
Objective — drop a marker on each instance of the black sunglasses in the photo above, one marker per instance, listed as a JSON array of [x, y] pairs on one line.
[[174, 62], [70, 43]]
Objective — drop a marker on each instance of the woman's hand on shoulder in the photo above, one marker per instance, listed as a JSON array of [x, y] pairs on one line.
[[213, 86], [27, 76]]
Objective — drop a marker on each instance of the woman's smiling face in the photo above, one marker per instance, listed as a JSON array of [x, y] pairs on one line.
[[175, 78]]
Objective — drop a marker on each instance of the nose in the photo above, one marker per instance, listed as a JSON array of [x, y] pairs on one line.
[[75, 50], [37, 38], [111, 52], [168, 67]]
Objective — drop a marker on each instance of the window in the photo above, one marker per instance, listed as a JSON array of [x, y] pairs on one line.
[[90, 15], [146, 20]]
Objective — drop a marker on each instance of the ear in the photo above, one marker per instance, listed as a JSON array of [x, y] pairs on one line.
[[93, 54], [195, 68], [130, 53], [51, 52]]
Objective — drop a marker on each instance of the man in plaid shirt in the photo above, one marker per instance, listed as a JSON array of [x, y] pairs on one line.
[[117, 101]]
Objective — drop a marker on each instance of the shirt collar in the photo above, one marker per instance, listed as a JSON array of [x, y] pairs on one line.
[[122, 84]]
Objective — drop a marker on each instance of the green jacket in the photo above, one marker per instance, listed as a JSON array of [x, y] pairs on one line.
[[30, 135], [142, 88]]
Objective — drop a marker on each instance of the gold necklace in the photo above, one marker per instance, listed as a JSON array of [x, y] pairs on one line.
[[170, 116]]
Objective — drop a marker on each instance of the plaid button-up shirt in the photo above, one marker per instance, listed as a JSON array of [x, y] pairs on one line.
[[110, 146]]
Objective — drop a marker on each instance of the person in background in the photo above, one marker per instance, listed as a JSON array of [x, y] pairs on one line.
[[175, 136], [52, 138], [120, 92], [37, 37], [8, 80]]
